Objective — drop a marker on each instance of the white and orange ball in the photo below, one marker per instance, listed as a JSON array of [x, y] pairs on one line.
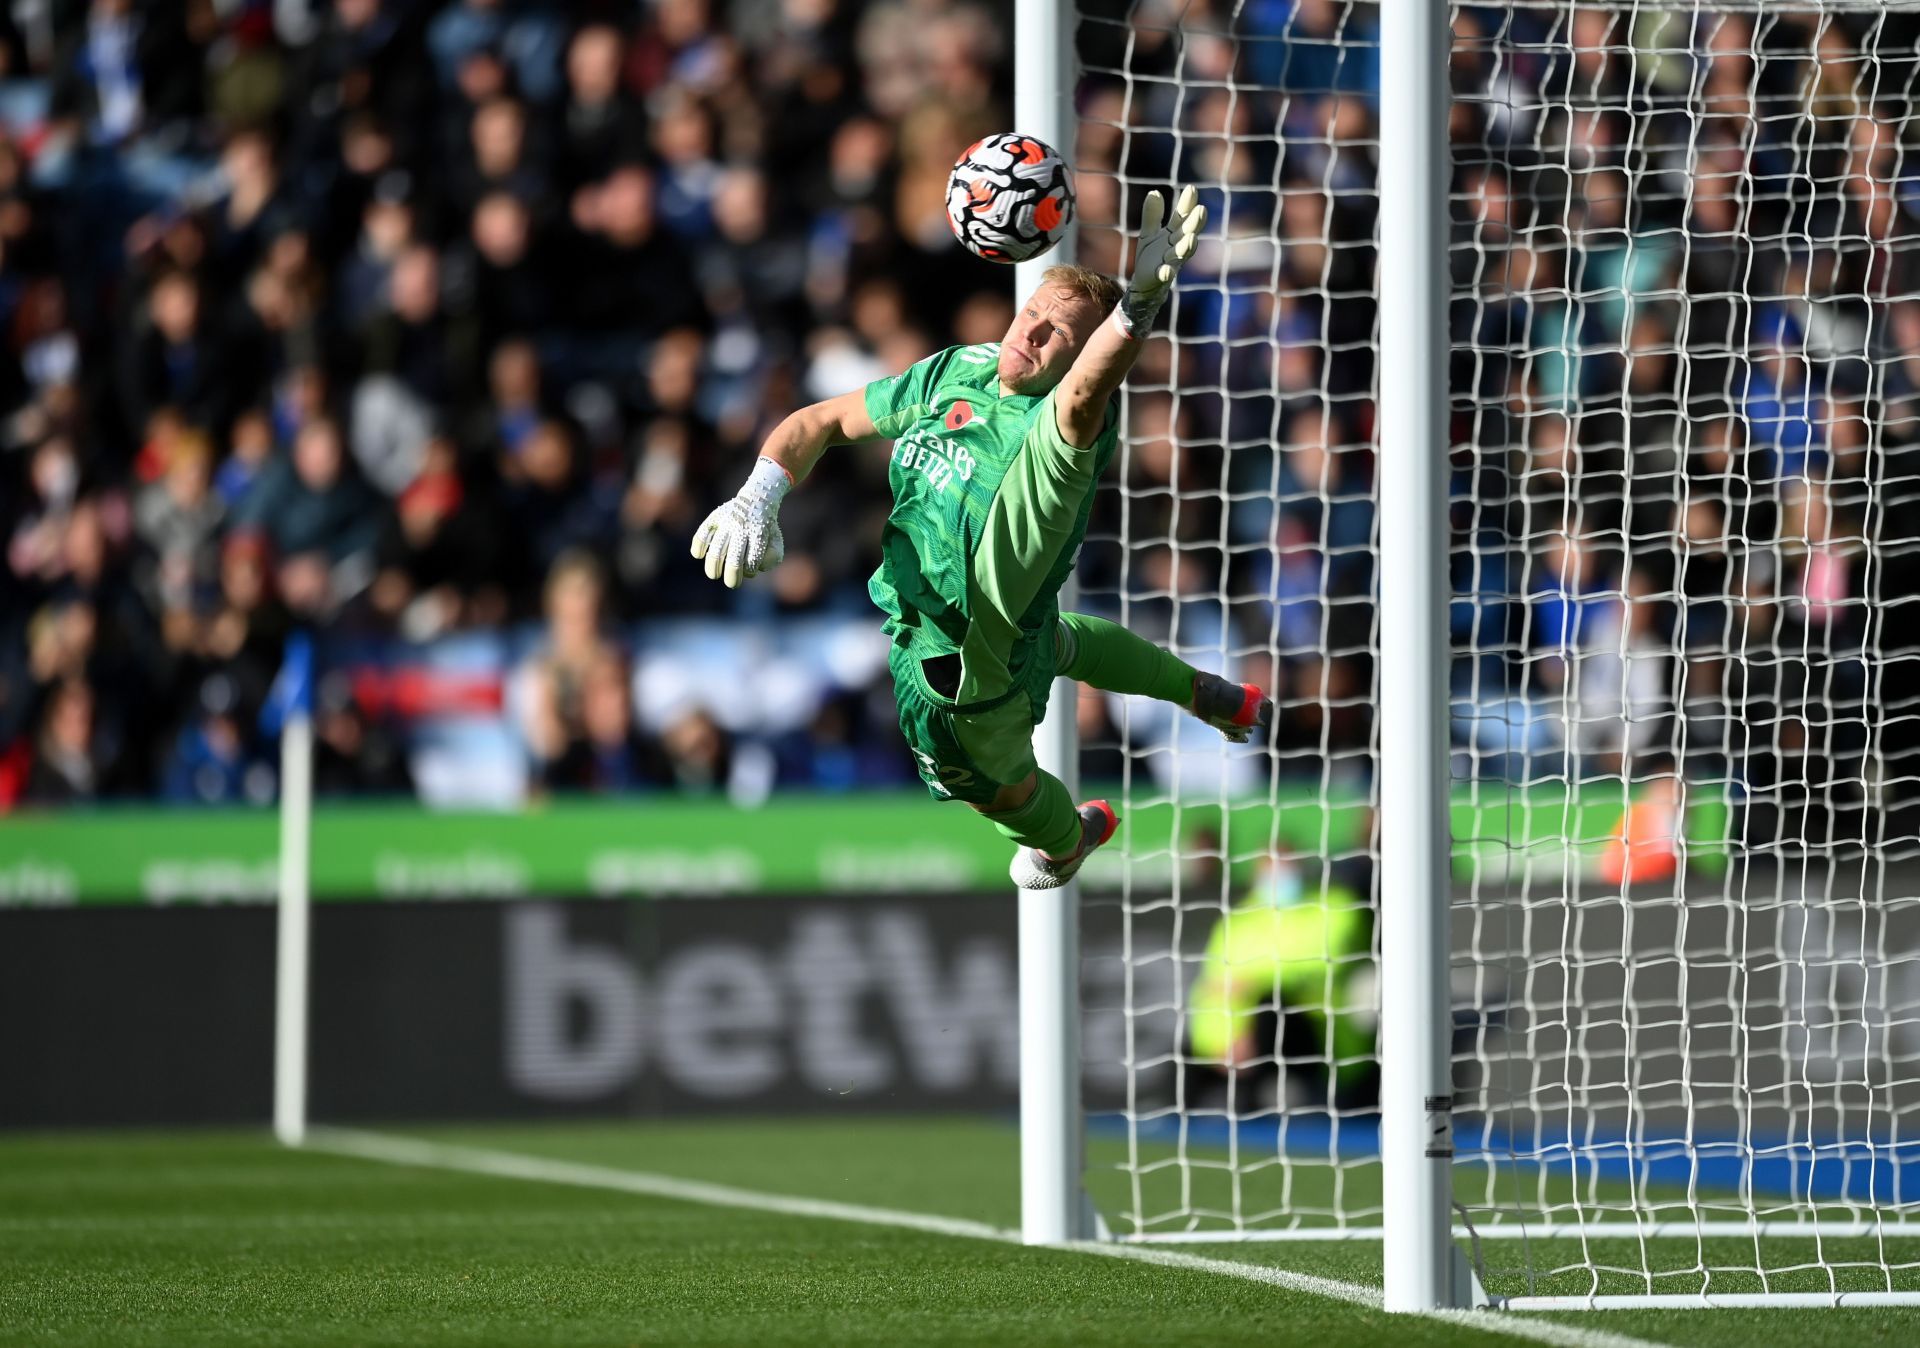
[[1010, 197]]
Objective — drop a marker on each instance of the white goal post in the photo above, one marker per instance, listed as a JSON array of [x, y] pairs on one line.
[[1053, 1207], [1416, 1087], [1540, 419]]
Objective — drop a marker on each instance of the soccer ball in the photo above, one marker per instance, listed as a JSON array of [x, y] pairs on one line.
[[1010, 198]]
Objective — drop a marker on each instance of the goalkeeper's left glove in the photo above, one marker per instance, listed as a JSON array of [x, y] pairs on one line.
[[1166, 242], [742, 538]]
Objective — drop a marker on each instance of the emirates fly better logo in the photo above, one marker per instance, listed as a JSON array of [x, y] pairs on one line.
[[939, 459]]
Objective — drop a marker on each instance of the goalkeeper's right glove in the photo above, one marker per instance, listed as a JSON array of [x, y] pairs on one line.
[[742, 538], [1162, 250]]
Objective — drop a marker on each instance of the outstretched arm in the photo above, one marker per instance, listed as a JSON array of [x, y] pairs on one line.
[[1166, 242], [742, 538], [798, 442]]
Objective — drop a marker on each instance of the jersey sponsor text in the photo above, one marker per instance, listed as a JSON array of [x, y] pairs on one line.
[[935, 456]]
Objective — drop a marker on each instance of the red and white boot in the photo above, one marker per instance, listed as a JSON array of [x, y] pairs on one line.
[[1236, 710], [1034, 869]]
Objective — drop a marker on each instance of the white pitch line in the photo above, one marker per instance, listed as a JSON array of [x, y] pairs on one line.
[[510, 1165], [1543, 1331], [507, 1165], [1356, 1293]]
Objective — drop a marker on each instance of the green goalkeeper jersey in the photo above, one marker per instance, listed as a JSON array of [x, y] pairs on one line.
[[990, 504]]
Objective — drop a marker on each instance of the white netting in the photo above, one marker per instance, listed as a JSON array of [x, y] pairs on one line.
[[1241, 533], [1685, 519]]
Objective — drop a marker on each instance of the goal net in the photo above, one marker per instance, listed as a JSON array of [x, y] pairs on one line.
[[1685, 679]]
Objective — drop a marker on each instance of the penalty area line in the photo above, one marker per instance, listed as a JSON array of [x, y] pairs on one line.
[[386, 1147]]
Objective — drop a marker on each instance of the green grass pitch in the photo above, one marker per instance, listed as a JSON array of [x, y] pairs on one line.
[[226, 1238]]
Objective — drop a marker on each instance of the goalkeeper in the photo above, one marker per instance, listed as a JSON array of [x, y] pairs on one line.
[[996, 453]]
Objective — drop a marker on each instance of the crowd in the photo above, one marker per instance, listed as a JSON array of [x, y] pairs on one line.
[[413, 322], [1686, 460], [1687, 280], [408, 320]]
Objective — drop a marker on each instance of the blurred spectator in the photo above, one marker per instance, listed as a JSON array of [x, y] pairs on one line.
[[320, 519], [601, 123], [753, 267], [438, 556], [1621, 683], [554, 681], [551, 506], [527, 37], [699, 752], [246, 631], [499, 158], [214, 761], [248, 449], [510, 280], [72, 761], [123, 99], [412, 338], [385, 227], [1785, 419], [515, 407], [363, 57], [683, 144], [178, 517], [627, 277], [1316, 48], [252, 209], [353, 753], [604, 752], [40, 514], [177, 359]]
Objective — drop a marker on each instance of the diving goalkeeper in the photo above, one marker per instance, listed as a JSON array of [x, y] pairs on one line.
[[996, 453]]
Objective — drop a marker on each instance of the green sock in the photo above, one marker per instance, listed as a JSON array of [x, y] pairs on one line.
[[1047, 820], [1107, 656]]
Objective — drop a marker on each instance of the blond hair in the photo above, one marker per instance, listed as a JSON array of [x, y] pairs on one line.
[[1083, 283], [575, 566]]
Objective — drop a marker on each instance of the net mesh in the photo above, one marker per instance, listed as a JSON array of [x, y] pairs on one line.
[[1686, 717]]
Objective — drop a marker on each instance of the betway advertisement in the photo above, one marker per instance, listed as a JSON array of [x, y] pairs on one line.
[[1781, 1003], [478, 1010]]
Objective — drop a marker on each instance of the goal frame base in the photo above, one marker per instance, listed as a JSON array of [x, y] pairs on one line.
[[1710, 1301], [1826, 1230]]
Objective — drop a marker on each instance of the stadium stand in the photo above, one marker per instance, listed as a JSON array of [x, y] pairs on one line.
[[437, 327]]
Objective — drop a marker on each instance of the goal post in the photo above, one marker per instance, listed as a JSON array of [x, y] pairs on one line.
[[1053, 1206], [1416, 1086]]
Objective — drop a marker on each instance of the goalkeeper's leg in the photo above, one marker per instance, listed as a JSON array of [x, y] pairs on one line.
[[1054, 835], [1029, 805], [984, 756], [1107, 656]]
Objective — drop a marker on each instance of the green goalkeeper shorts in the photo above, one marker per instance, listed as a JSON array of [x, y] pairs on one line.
[[964, 752]]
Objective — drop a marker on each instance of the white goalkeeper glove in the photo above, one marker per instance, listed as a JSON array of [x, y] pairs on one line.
[[741, 539], [1166, 242]]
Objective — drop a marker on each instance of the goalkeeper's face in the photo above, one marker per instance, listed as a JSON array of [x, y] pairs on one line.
[[1047, 333]]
